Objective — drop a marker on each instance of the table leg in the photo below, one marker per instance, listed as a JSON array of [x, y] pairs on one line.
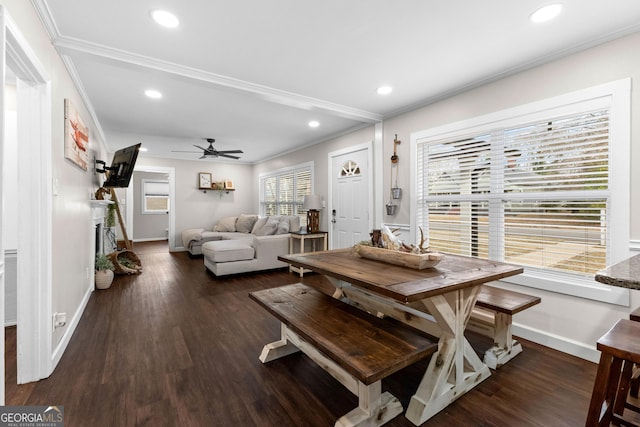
[[455, 368]]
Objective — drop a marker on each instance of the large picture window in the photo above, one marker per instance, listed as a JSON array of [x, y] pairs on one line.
[[534, 188], [282, 192]]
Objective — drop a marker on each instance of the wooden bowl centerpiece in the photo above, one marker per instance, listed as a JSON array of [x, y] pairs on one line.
[[406, 259]]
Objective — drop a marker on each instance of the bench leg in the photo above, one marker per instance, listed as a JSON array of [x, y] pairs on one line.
[[374, 409], [278, 349], [504, 347]]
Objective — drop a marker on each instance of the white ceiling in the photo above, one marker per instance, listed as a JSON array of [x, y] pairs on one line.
[[252, 73]]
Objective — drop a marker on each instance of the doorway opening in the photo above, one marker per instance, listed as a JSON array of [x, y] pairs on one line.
[[35, 358]]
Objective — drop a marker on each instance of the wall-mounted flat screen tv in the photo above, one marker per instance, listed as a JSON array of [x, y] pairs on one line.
[[121, 169]]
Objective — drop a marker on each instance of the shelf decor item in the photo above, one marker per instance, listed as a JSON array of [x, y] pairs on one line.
[[204, 180]]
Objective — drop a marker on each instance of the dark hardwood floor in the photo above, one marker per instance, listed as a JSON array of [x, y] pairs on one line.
[[176, 346]]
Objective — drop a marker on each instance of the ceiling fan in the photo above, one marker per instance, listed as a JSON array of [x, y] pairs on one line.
[[212, 153]]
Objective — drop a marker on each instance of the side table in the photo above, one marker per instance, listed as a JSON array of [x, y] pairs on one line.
[[301, 236]]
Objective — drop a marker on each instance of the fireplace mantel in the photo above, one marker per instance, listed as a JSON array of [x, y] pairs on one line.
[[98, 213]]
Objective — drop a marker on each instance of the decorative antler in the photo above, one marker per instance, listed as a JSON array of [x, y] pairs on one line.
[[422, 242]]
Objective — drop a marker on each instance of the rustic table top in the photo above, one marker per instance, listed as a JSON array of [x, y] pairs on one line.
[[625, 274], [402, 283]]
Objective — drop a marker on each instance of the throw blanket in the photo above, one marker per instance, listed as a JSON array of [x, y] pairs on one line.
[[190, 235]]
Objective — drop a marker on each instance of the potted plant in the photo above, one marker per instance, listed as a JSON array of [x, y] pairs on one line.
[[104, 272]]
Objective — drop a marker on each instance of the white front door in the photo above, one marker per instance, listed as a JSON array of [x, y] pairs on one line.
[[350, 210]]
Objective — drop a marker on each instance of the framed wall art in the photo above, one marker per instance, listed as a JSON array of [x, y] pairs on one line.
[[76, 136], [204, 180]]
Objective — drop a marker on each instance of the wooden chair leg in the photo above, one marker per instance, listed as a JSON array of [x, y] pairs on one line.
[[635, 381], [623, 388], [604, 391]]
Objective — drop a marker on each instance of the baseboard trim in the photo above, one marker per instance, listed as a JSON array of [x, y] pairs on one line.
[[68, 333], [557, 342]]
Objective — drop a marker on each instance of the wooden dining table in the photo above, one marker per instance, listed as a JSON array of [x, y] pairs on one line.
[[436, 300]]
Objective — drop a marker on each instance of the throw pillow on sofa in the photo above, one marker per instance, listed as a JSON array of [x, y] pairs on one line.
[[245, 223], [269, 228], [283, 226], [227, 224], [259, 224]]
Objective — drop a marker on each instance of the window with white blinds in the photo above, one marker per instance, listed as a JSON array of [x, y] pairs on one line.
[[282, 192], [533, 190], [155, 197]]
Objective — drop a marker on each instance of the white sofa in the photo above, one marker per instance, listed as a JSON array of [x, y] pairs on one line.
[[242, 244]]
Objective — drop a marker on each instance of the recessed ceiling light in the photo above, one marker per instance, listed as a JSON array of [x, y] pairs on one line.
[[154, 94], [164, 18], [546, 13], [314, 124], [384, 90], [143, 149]]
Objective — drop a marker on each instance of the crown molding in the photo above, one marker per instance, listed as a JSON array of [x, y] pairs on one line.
[[70, 44], [42, 9], [73, 74]]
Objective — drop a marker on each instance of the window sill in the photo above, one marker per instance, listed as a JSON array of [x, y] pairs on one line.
[[582, 288], [155, 213]]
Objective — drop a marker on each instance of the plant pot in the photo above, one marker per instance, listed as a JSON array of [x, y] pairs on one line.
[[103, 279], [396, 192]]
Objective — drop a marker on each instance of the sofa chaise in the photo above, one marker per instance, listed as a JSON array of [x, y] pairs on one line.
[[242, 244]]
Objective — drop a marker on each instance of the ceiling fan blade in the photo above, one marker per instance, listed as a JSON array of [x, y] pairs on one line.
[[220, 153], [180, 151], [203, 149], [231, 151]]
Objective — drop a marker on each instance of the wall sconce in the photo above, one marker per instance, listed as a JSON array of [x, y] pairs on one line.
[[313, 204]]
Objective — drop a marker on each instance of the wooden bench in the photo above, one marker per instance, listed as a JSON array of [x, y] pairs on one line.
[[356, 348], [492, 316]]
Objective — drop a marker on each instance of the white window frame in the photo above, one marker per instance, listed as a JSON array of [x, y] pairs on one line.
[[284, 171], [617, 95], [143, 195]]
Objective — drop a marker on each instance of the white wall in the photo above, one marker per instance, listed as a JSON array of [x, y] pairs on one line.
[[559, 321], [196, 209], [72, 239], [564, 322], [319, 155]]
